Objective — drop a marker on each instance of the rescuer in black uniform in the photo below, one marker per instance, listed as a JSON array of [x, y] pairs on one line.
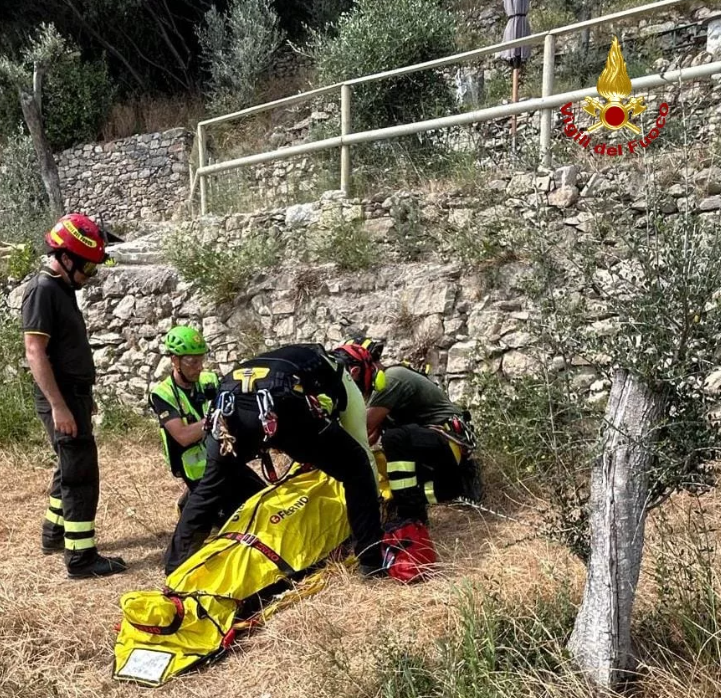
[[298, 400], [61, 362]]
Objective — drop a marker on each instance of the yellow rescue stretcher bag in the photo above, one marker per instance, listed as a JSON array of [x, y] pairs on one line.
[[281, 531]]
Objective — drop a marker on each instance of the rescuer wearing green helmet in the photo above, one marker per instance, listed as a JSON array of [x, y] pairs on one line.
[[181, 402]]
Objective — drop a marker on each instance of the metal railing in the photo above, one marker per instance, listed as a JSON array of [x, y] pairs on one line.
[[546, 103]]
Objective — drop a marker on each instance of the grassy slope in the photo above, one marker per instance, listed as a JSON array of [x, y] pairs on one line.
[[56, 635]]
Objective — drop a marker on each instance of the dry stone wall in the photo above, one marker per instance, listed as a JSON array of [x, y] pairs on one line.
[[143, 177], [426, 301]]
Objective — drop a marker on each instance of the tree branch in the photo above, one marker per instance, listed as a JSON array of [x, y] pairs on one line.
[[111, 49]]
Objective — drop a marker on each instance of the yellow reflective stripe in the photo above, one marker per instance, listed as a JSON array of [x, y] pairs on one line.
[[53, 518], [403, 484], [430, 493], [79, 526], [56, 503], [401, 466], [42, 334], [457, 453], [79, 543]]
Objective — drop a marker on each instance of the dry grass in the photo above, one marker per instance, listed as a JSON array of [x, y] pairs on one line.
[[56, 635], [151, 114]]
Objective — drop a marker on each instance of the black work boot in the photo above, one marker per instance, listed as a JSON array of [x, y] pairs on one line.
[[99, 566]]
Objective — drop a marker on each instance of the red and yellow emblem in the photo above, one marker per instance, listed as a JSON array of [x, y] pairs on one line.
[[615, 85]]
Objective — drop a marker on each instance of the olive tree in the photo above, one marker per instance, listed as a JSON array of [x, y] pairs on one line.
[[641, 302], [25, 74]]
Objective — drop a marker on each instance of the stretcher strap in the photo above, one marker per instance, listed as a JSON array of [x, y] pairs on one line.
[[254, 542]]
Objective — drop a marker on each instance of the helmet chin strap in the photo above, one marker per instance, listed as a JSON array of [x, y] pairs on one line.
[[182, 375], [74, 266]]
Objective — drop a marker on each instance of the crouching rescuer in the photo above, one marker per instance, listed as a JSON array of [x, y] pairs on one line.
[[298, 400], [61, 361], [181, 402], [428, 441]]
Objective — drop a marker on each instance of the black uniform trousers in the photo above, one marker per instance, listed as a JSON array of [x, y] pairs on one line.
[[228, 481], [422, 469], [76, 481]]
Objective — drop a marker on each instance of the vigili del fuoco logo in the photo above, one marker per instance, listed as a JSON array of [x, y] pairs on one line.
[[616, 112]]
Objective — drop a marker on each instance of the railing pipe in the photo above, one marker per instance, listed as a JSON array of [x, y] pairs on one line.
[[487, 114], [549, 63], [345, 129]]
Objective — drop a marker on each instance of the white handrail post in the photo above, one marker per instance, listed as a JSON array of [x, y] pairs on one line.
[[549, 64], [345, 129], [202, 162]]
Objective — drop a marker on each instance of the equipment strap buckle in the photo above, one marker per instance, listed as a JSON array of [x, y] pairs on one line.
[[268, 418], [226, 403]]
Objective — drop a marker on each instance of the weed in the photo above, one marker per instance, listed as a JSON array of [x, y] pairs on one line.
[[251, 340], [306, 284], [18, 422], [404, 321], [346, 245], [119, 420], [686, 622], [221, 274]]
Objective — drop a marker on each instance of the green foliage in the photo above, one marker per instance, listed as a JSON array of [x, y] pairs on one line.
[[24, 213], [119, 420], [379, 36], [499, 650], [221, 273], [236, 47], [18, 422], [346, 245], [657, 295], [541, 435], [22, 260], [77, 96]]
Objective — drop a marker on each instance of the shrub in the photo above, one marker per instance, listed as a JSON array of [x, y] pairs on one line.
[[220, 275], [348, 246], [18, 422], [24, 213], [77, 96], [381, 35], [236, 47]]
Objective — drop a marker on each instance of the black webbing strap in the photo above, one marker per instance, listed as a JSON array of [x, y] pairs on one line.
[[252, 541]]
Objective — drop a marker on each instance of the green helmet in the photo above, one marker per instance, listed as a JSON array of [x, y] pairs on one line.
[[185, 341]]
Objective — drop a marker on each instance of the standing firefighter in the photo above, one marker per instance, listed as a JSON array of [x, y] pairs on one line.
[[298, 400], [181, 402], [58, 353], [427, 440]]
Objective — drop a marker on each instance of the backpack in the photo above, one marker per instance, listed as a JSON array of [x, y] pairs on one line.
[[408, 551]]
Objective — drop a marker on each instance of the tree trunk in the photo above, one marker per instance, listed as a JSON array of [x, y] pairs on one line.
[[48, 168], [601, 638]]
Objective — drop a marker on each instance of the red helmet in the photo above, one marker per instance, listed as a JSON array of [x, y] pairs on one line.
[[356, 355], [76, 234]]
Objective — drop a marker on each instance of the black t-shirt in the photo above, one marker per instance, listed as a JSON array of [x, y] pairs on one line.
[[50, 308]]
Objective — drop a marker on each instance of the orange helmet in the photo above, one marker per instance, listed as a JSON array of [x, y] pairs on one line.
[[77, 235]]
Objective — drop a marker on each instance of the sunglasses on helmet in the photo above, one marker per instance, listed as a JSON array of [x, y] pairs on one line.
[[88, 268]]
